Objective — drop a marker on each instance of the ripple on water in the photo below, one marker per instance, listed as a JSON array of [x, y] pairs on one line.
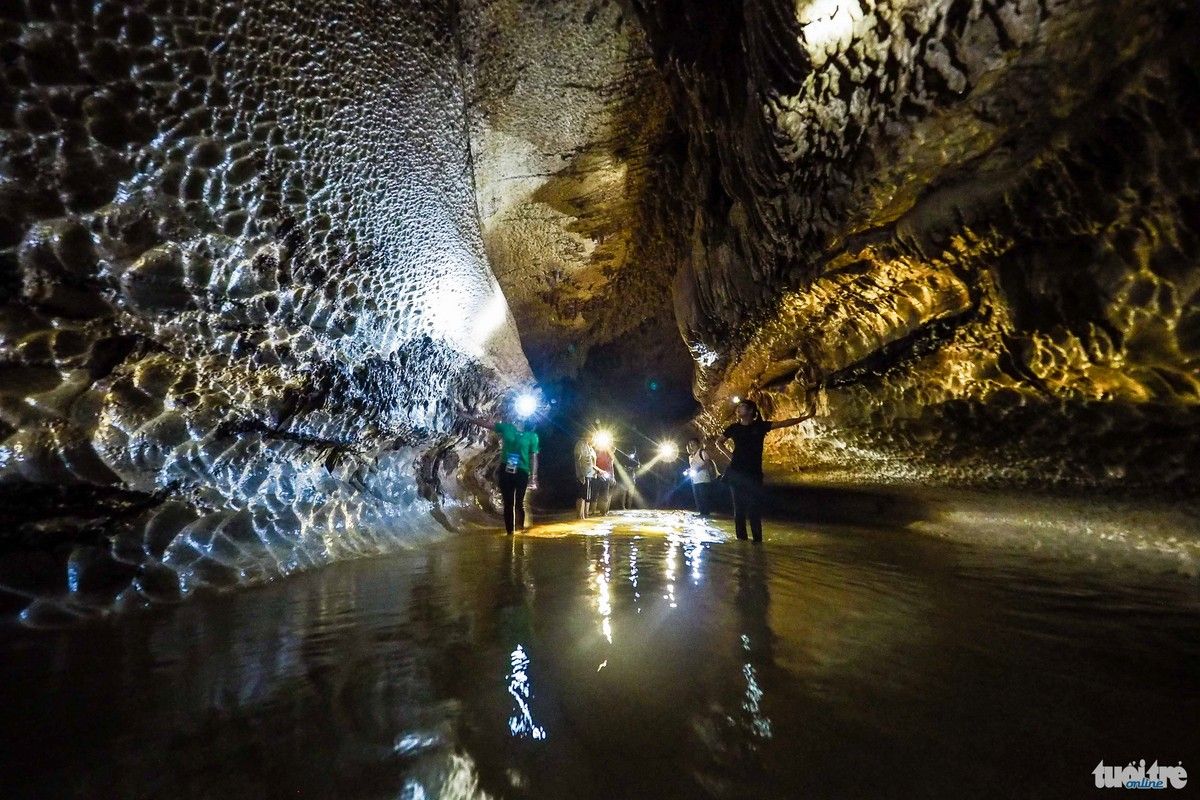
[[643, 655]]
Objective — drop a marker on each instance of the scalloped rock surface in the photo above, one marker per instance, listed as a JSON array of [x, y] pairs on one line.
[[244, 290]]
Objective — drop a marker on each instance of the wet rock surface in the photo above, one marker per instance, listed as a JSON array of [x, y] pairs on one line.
[[971, 225], [254, 259], [243, 295]]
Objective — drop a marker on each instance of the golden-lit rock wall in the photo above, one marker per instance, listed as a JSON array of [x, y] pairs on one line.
[[243, 294], [965, 230]]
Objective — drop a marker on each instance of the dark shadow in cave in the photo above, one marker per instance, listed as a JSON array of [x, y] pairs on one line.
[[838, 505], [638, 387]]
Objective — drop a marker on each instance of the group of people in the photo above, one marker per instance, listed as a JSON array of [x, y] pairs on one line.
[[596, 469], [600, 479]]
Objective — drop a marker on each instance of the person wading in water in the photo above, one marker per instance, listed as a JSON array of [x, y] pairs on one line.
[[518, 466], [702, 472], [606, 466], [586, 475], [745, 472]]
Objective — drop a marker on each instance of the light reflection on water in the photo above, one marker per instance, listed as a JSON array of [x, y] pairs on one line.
[[521, 723], [646, 655]]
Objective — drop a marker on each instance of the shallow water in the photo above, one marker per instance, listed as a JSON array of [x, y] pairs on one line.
[[642, 655]]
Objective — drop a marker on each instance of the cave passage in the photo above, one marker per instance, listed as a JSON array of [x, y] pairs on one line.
[[259, 263], [270, 270]]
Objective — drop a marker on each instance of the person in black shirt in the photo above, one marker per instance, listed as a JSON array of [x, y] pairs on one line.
[[745, 472]]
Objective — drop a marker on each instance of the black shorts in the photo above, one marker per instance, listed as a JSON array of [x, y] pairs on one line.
[[583, 490]]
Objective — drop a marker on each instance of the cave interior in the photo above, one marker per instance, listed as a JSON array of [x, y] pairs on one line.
[[257, 261]]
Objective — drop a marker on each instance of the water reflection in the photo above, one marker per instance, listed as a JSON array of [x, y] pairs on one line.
[[752, 600], [521, 723], [669, 571], [602, 576], [645, 655]]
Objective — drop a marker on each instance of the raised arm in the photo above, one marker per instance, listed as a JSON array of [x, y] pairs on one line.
[[787, 423], [484, 422]]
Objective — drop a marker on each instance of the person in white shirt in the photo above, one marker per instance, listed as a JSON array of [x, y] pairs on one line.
[[586, 472], [702, 471]]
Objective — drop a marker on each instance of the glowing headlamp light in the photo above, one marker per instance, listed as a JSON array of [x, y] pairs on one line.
[[526, 405]]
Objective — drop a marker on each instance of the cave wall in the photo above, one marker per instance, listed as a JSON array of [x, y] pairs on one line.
[[964, 231], [243, 292], [569, 121]]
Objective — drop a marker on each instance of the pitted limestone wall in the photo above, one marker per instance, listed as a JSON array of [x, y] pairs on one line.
[[966, 231], [242, 289]]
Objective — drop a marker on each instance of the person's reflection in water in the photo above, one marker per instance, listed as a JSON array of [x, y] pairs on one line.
[[504, 722], [515, 621], [752, 601], [738, 735], [533, 731], [513, 615]]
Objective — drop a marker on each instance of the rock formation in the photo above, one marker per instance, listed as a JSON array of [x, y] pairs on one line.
[[244, 290], [255, 257], [971, 224]]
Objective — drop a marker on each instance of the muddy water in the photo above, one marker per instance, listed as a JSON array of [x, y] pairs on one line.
[[644, 655]]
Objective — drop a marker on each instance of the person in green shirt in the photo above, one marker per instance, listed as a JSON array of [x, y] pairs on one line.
[[518, 466]]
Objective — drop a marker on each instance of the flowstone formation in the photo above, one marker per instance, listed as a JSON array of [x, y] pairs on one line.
[[243, 295], [969, 226]]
